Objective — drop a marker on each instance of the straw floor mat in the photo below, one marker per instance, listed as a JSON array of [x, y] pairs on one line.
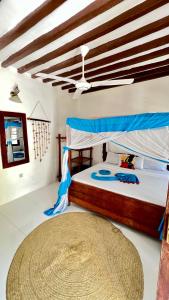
[[76, 256]]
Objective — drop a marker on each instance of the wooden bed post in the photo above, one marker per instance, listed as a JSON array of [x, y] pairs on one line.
[[59, 156], [104, 153], [60, 139]]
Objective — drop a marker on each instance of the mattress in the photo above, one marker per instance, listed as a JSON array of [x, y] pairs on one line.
[[153, 185]]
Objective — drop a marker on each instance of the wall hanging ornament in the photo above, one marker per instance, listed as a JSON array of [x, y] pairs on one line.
[[41, 133]]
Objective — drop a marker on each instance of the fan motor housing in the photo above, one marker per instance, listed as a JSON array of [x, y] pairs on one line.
[[83, 85]]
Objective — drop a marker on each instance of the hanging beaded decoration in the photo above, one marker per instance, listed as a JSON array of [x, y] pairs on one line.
[[41, 134]]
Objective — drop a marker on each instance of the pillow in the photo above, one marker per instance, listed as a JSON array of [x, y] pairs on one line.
[[138, 162], [112, 158], [126, 161], [152, 164]]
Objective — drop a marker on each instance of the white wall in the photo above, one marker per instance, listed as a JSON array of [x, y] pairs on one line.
[[148, 96], [19, 180], [66, 108]]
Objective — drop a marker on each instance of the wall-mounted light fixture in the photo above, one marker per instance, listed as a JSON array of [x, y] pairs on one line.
[[14, 94]]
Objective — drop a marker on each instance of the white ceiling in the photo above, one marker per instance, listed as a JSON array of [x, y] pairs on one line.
[[13, 11]]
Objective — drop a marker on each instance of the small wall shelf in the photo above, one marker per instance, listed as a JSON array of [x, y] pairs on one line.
[[80, 162], [77, 163]]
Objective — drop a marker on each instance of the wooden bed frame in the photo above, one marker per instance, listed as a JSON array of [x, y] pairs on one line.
[[137, 214]]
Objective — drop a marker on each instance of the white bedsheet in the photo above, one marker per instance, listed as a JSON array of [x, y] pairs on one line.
[[153, 185]]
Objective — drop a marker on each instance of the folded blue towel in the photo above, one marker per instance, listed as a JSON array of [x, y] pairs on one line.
[[103, 178], [104, 172], [128, 178], [123, 177]]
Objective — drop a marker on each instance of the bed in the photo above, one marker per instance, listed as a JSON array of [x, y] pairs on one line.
[[138, 206]]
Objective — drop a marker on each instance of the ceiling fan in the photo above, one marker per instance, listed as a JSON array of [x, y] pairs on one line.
[[82, 84]]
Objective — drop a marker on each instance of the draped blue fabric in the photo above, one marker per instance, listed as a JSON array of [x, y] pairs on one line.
[[63, 187], [160, 228], [121, 123], [62, 191]]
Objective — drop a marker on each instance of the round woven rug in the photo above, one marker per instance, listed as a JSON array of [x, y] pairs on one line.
[[76, 256]]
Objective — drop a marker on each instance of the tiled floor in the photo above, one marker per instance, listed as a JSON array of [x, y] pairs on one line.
[[20, 217]]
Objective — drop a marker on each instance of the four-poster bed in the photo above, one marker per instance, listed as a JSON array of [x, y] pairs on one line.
[[144, 135]]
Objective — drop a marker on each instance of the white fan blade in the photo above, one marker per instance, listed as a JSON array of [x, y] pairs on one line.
[[55, 77], [112, 82], [77, 94]]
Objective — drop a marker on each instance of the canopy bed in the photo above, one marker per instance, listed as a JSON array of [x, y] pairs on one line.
[[145, 135]]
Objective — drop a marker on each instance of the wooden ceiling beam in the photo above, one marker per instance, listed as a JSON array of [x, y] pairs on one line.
[[93, 10], [29, 21], [123, 64], [89, 12], [139, 77], [107, 27], [130, 37]]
